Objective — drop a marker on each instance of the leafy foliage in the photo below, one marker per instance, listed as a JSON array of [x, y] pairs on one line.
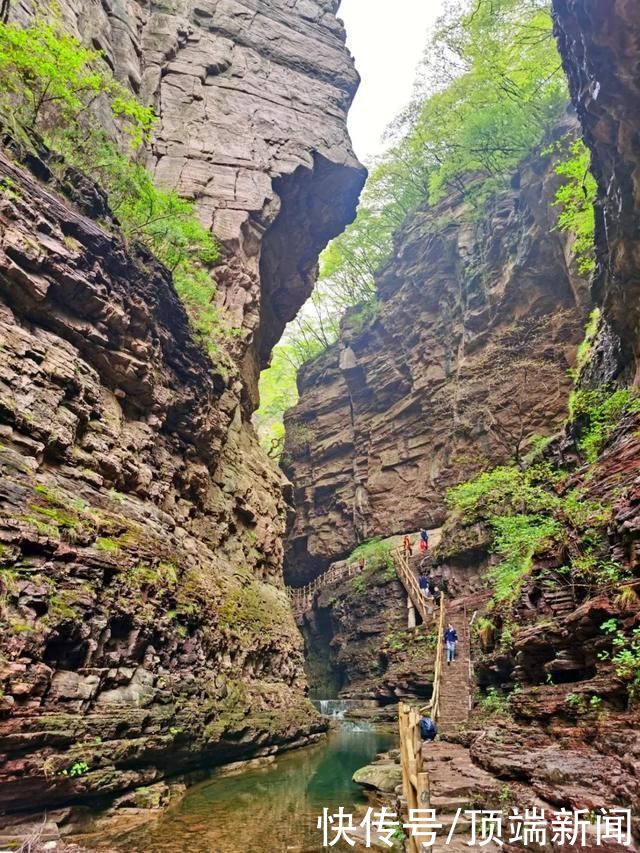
[[504, 490], [590, 333], [526, 511], [376, 553], [48, 80], [278, 392], [517, 538], [492, 88], [576, 198], [596, 413], [493, 703], [160, 219], [626, 655], [48, 84]]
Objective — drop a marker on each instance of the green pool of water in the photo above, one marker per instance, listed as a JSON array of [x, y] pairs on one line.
[[265, 810]]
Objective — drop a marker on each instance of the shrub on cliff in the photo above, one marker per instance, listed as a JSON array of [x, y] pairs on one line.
[[527, 512], [50, 85], [594, 415], [377, 555], [160, 219], [492, 89], [576, 197], [48, 81]]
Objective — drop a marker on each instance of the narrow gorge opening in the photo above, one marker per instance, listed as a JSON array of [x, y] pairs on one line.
[[319, 425]]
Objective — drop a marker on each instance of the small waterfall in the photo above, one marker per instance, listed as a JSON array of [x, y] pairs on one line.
[[337, 708]]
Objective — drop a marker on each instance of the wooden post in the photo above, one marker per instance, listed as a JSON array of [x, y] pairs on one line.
[[411, 613], [407, 754]]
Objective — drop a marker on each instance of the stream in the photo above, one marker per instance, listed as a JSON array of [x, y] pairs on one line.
[[272, 808]]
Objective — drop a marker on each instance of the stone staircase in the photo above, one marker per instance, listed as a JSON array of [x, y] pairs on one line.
[[562, 601], [455, 688], [455, 783]]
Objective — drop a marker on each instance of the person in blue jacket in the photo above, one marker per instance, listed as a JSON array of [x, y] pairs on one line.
[[423, 583], [451, 640]]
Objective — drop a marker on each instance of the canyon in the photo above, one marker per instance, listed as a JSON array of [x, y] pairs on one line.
[[145, 626], [147, 540], [425, 393], [463, 362]]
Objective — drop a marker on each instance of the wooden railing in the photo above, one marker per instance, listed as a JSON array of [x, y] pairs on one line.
[[302, 597], [415, 781], [410, 583], [432, 708]]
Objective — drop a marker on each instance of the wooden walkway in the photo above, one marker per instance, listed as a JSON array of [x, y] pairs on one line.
[[302, 597], [415, 781], [449, 707]]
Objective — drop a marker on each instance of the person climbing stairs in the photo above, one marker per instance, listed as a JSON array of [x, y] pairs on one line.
[[455, 688], [407, 568]]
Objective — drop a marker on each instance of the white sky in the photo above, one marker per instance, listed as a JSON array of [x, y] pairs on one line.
[[387, 40]]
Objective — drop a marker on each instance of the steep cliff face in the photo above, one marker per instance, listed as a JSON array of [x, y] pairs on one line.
[[252, 98], [466, 358], [556, 713], [145, 629], [357, 644], [600, 44]]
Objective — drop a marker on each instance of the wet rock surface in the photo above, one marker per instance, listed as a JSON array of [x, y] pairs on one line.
[[599, 42], [145, 626], [252, 98], [357, 643], [145, 629]]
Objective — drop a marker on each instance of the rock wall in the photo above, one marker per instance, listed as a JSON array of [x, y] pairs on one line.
[[599, 41], [252, 98], [357, 643], [145, 628], [569, 731], [465, 360]]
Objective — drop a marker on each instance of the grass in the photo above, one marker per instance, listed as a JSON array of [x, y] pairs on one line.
[[105, 543]]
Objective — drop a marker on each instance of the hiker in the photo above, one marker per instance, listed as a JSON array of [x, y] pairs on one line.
[[423, 583], [437, 595], [407, 546], [424, 540], [428, 729], [362, 563], [451, 640]]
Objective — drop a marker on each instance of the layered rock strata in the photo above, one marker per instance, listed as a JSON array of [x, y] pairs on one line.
[[569, 730], [145, 628], [465, 359], [251, 98], [357, 644]]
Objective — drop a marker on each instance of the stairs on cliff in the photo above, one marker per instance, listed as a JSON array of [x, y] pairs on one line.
[[455, 682], [408, 568]]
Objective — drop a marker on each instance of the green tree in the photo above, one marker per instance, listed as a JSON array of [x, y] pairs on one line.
[[576, 198], [49, 83], [278, 392], [492, 88]]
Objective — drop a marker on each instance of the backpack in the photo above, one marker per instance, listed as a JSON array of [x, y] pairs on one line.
[[428, 728]]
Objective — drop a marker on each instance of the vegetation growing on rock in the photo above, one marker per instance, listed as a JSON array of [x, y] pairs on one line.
[[50, 87]]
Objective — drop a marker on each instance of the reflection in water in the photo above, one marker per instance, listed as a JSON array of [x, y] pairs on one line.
[[273, 808]]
